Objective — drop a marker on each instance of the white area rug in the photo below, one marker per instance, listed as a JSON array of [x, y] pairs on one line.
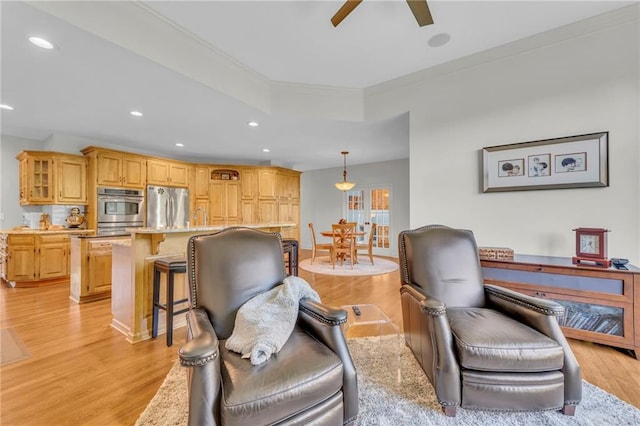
[[390, 396], [322, 265]]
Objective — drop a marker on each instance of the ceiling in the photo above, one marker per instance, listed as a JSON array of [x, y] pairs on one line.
[[95, 76]]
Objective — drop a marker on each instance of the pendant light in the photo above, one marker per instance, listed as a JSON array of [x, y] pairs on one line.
[[345, 185]]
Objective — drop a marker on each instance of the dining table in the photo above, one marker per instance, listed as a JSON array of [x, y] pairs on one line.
[[341, 240]]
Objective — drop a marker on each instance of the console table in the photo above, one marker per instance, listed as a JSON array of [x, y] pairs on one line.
[[602, 305]]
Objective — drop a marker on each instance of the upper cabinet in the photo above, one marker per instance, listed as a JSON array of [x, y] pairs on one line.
[[71, 180], [162, 172], [52, 178], [116, 169]]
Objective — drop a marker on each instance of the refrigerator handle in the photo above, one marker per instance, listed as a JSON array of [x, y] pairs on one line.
[[170, 219]]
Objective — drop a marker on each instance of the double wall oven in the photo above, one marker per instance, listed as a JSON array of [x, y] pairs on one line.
[[119, 209]]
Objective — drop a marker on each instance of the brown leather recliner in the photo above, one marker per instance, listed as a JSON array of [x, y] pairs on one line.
[[311, 380], [482, 346]]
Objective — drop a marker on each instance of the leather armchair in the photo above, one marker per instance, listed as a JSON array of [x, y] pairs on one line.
[[312, 379], [481, 346]]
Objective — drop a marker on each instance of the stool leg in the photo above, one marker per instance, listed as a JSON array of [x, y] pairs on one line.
[[294, 259], [156, 302], [170, 308]]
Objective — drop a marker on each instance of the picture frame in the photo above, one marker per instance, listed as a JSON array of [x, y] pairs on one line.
[[580, 161]]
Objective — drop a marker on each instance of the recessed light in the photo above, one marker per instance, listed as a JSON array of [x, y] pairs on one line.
[[40, 42], [253, 124], [266, 150], [136, 113], [439, 40], [180, 144], [5, 106]]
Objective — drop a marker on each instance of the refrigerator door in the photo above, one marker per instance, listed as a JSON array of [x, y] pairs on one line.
[[158, 199], [167, 207], [179, 207]]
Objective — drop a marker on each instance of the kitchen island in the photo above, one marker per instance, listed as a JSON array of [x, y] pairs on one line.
[[132, 274]]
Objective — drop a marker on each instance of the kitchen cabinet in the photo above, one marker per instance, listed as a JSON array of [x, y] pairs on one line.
[[200, 183], [289, 211], [32, 259], [19, 258], [602, 305], [267, 211], [267, 184], [71, 180], [91, 260], [162, 172], [224, 207], [288, 185], [36, 177], [115, 169]]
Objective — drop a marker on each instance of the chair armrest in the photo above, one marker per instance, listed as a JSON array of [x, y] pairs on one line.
[[324, 323], [545, 307], [428, 334], [323, 313], [203, 347]]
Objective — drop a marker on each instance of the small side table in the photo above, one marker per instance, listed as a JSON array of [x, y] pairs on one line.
[[373, 322]]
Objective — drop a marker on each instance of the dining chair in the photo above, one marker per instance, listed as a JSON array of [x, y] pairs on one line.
[[369, 246], [343, 243], [315, 246]]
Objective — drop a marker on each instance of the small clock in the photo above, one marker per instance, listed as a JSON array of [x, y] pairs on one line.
[[591, 247]]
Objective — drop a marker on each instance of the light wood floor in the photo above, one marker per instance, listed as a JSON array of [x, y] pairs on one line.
[[82, 372]]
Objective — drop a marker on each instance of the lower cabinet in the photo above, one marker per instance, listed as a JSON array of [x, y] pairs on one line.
[[602, 305], [91, 268], [30, 260]]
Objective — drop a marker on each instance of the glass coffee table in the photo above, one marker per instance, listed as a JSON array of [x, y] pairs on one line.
[[372, 322]]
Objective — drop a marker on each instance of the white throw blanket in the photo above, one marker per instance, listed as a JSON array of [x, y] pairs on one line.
[[265, 322]]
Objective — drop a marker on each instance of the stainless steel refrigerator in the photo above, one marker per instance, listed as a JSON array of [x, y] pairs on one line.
[[167, 207]]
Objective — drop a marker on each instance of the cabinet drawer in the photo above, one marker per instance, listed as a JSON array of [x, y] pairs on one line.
[[54, 239], [21, 239]]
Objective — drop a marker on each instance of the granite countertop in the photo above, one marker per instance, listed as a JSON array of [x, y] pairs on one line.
[[73, 231], [207, 228]]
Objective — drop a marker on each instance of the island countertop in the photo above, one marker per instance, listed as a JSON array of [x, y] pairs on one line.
[[208, 228]]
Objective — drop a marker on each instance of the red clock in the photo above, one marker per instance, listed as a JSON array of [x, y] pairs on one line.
[[591, 247]]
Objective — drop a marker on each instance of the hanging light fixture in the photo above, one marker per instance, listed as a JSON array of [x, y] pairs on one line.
[[345, 185]]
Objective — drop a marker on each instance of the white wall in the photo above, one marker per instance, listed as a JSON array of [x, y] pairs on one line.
[[321, 202], [586, 84]]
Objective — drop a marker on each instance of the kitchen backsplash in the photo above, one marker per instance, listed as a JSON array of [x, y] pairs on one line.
[[57, 213]]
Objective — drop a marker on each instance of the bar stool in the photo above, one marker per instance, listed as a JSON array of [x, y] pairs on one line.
[[290, 248], [169, 266]]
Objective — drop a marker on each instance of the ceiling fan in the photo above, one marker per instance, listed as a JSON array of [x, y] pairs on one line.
[[420, 10]]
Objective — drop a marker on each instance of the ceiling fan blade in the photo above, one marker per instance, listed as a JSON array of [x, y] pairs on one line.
[[421, 11], [345, 10]]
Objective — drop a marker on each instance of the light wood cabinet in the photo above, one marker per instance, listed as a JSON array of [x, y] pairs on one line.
[[267, 184], [224, 202], [249, 181], [91, 260], [32, 259], [288, 185], [71, 180], [114, 169], [161, 172], [20, 258], [53, 256], [267, 211], [52, 178], [36, 177], [200, 184]]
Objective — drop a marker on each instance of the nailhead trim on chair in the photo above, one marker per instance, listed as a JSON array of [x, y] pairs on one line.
[[198, 362], [434, 312], [530, 306], [320, 318]]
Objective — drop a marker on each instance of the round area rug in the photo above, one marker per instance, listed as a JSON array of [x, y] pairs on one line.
[[322, 265]]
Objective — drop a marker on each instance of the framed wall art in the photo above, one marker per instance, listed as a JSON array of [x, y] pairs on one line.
[[568, 162]]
